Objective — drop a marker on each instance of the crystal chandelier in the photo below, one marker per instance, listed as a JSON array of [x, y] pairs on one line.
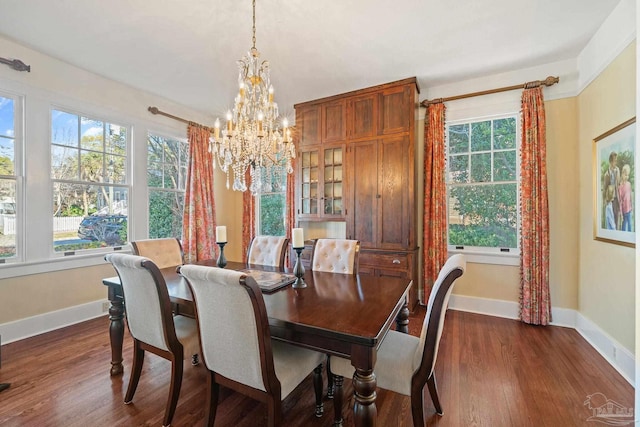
[[252, 139]]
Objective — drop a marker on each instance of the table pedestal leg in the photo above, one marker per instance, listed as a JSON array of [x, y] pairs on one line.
[[402, 319], [365, 412], [116, 332]]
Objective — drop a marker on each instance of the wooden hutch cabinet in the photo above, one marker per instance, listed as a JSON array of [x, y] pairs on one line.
[[357, 164]]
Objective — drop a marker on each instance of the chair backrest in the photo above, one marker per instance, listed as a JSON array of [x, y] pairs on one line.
[[268, 250], [427, 351], [233, 326], [335, 256], [163, 252], [146, 300]]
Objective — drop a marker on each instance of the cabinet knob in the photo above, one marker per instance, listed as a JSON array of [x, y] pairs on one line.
[[396, 261], [378, 196]]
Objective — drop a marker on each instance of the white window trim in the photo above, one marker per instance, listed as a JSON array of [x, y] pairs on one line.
[[107, 118], [488, 255], [18, 164]]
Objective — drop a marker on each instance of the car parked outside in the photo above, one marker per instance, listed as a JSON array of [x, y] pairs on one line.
[[104, 228]]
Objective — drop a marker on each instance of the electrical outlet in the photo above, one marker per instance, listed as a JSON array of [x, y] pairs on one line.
[[105, 307], [615, 351]]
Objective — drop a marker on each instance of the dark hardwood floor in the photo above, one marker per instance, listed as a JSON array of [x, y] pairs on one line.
[[490, 372]]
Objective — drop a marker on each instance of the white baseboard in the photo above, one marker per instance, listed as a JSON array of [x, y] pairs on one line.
[[620, 358], [36, 325]]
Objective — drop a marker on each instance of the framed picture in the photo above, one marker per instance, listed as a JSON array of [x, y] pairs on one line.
[[614, 185]]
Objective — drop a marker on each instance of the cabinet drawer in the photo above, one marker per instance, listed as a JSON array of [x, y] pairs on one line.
[[394, 261]]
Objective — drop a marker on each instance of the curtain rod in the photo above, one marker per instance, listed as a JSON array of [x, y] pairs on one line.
[[16, 64], [549, 81], [155, 110]]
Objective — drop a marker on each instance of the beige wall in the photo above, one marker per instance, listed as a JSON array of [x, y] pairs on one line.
[[27, 296], [229, 213], [606, 271]]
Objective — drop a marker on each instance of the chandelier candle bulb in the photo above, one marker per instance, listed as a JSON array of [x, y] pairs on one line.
[[216, 129], [229, 124], [270, 94], [285, 130], [297, 238], [221, 234]]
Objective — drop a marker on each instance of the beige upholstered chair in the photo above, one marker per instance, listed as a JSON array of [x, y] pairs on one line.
[[406, 363], [237, 347], [335, 256], [152, 325], [163, 252], [268, 250]]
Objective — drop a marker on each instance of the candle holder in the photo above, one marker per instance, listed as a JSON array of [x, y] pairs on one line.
[[298, 271], [222, 261]]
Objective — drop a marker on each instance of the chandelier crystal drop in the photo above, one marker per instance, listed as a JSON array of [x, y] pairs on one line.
[[252, 139]]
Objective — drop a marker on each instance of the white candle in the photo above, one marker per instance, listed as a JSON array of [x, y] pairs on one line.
[[297, 238], [221, 234]]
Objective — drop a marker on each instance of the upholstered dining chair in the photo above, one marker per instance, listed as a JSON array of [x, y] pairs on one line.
[[237, 347], [164, 253], [152, 324], [406, 363], [268, 250], [335, 256]]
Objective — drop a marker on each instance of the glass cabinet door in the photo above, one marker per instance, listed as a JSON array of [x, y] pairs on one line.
[[332, 197], [309, 175]]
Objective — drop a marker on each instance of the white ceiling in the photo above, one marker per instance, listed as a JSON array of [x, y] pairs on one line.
[[187, 51]]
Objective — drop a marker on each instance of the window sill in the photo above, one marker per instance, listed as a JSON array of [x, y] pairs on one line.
[[18, 269], [484, 257]]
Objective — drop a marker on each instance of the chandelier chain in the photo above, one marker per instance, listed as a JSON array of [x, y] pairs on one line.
[[254, 24]]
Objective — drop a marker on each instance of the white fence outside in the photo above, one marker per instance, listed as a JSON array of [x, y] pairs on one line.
[[68, 223]]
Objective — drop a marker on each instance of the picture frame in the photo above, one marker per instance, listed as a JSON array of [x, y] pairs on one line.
[[614, 218]]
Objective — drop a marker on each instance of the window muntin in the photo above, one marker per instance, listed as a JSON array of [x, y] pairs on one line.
[[89, 177], [167, 162], [483, 184], [9, 123]]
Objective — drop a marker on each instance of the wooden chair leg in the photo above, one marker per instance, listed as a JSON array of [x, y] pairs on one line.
[[174, 391], [317, 385], [433, 391], [212, 398], [337, 400], [274, 412], [417, 405], [136, 369], [330, 385]]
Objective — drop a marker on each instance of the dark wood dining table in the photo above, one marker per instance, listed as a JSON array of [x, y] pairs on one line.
[[339, 314]]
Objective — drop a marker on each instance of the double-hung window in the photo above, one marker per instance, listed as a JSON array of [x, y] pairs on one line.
[[10, 148], [271, 208], [89, 176], [482, 181], [167, 162]]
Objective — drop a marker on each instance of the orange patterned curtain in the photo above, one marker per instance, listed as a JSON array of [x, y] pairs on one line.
[[199, 217], [290, 215], [248, 220], [535, 302], [435, 193]]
